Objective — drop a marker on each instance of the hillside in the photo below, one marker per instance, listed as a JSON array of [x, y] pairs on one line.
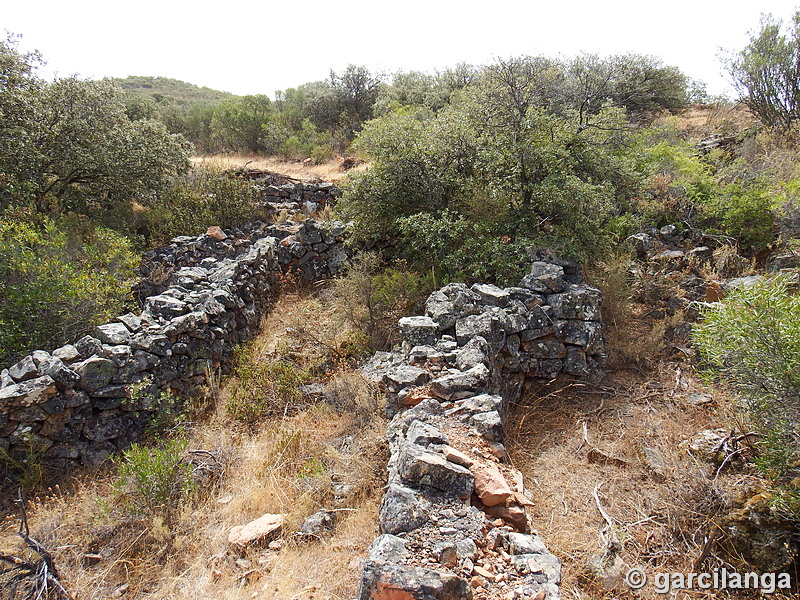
[[164, 89]]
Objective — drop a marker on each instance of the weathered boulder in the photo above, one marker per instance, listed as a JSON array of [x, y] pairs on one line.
[[256, 531], [544, 278], [419, 331], [319, 524], [488, 424], [403, 509], [402, 376], [525, 543], [491, 294], [487, 325], [578, 301], [423, 434], [64, 377], [491, 486], [474, 352], [461, 384], [24, 370], [113, 333], [388, 548], [95, 372]]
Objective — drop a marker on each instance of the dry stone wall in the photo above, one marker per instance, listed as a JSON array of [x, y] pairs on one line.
[[299, 196], [201, 296], [452, 519]]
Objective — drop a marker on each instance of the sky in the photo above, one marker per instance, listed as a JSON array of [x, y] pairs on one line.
[[247, 47]]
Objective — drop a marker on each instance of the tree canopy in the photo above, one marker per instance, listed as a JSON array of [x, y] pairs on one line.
[[70, 143], [767, 72]]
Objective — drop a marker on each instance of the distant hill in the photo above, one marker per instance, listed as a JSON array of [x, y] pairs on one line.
[[164, 89]]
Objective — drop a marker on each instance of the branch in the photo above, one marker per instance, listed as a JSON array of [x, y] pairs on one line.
[[612, 543], [41, 574]]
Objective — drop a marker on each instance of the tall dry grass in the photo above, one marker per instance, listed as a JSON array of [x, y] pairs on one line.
[[330, 453], [327, 171]]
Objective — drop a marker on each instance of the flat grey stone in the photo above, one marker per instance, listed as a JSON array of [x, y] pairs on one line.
[[491, 294], [113, 334], [418, 467], [424, 434], [28, 393], [387, 548], [403, 376], [419, 331], [382, 580], [462, 384], [24, 370], [544, 278]]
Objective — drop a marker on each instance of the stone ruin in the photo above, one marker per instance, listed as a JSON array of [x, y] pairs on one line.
[[200, 297], [452, 519]]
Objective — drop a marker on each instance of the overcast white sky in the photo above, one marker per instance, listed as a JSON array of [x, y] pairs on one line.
[[247, 47]]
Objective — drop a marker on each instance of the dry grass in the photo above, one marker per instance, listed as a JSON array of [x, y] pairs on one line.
[[660, 517], [332, 454], [325, 455], [328, 171], [700, 121]]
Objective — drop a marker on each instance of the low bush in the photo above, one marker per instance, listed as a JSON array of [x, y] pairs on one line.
[[752, 338], [261, 388], [154, 482], [57, 280], [203, 198], [370, 298]]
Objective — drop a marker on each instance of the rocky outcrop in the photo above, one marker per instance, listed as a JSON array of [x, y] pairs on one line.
[[453, 518]]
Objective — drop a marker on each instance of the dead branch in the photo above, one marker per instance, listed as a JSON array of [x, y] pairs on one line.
[[607, 536], [30, 579]]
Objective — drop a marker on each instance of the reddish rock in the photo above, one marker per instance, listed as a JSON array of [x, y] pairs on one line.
[[514, 515], [714, 292], [215, 233], [254, 531], [416, 395], [491, 486], [456, 456]]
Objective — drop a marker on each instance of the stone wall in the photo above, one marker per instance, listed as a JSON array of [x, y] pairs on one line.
[[200, 297], [301, 196], [452, 519]]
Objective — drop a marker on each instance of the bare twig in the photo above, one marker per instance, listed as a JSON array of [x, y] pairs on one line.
[[611, 542], [38, 578]]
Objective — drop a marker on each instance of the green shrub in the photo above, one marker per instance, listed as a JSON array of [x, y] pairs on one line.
[[57, 280], [25, 468], [154, 482], [745, 214], [752, 338], [265, 387], [203, 198]]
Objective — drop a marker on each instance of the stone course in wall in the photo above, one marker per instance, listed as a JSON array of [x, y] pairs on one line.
[[299, 197], [200, 298], [452, 519]]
